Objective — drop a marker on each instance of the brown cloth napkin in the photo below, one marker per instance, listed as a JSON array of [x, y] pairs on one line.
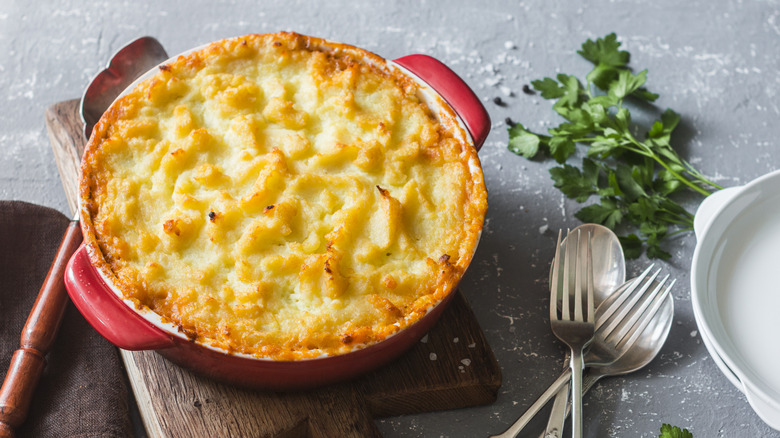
[[83, 391]]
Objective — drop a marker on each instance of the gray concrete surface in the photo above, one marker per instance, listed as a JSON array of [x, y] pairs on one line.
[[713, 61]]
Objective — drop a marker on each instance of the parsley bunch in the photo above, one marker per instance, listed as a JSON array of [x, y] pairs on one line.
[[632, 175]]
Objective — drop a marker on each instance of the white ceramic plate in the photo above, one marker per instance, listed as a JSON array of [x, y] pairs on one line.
[[735, 288]]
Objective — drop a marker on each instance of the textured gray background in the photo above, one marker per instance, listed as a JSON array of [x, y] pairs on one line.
[[714, 61]]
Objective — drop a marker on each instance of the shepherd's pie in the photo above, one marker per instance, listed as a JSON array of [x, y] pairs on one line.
[[282, 197]]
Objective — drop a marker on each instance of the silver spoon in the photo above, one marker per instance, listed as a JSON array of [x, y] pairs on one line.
[[40, 330], [644, 350]]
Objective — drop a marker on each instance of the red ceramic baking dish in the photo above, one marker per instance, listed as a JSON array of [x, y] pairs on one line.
[[129, 328]]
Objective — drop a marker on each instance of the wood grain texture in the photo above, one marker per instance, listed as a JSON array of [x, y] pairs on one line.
[[452, 367], [67, 141]]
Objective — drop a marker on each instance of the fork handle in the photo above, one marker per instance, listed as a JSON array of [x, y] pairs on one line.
[[576, 392]]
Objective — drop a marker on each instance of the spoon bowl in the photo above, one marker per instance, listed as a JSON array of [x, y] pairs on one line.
[[646, 348], [124, 67], [609, 263], [602, 353]]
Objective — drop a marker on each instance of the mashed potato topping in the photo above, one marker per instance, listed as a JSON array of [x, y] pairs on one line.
[[281, 196]]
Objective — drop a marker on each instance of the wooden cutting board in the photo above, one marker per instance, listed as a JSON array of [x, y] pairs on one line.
[[453, 367]]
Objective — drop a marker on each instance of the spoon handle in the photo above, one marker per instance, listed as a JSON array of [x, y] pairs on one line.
[[37, 337], [576, 392], [558, 414], [562, 407], [561, 382], [560, 385]]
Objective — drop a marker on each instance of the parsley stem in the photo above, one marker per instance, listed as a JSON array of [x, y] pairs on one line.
[[696, 174], [645, 151], [681, 230], [649, 153], [688, 223]]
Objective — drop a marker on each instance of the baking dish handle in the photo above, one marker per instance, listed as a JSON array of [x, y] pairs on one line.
[[106, 312], [454, 90], [711, 205]]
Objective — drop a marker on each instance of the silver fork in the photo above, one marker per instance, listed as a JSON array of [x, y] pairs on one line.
[[575, 329], [635, 309], [632, 310]]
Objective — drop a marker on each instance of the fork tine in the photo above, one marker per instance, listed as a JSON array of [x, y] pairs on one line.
[[554, 282], [565, 315], [609, 316], [630, 307], [634, 310], [647, 315], [578, 268], [591, 304]]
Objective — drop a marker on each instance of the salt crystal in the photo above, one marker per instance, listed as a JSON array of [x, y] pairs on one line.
[[455, 340], [492, 82], [466, 362], [424, 339], [433, 356], [509, 45]]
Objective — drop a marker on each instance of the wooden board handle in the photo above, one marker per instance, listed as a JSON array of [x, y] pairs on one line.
[[38, 335]]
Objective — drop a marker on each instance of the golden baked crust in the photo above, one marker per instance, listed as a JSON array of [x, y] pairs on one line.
[[281, 196]]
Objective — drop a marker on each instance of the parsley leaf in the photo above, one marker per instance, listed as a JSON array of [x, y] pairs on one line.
[[549, 88], [607, 213], [626, 83], [572, 182], [605, 51], [562, 148], [632, 246], [523, 142], [669, 431], [632, 177]]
